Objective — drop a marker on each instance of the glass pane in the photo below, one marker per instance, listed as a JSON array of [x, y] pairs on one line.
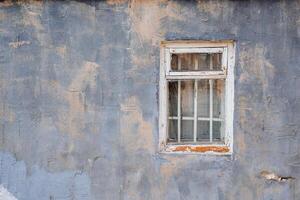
[[174, 62], [187, 98], [203, 98], [172, 130], [196, 62], [218, 98], [216, 130], [187, 133], [187, 110], [216, 61], [173, 98], [203, 131], [187, 62]]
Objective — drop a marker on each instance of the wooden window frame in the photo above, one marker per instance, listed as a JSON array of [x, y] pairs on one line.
[[227, 48]]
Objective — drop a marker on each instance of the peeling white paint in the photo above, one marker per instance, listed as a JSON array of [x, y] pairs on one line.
[[18, 44], [6, 195], [274, 177]]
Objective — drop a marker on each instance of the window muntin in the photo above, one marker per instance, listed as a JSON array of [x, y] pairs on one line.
[[203, 65], [196, 106]]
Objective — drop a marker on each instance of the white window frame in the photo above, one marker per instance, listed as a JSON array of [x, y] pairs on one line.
[[227, 48]]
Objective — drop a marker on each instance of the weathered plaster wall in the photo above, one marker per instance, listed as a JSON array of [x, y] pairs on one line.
[[79, 99]]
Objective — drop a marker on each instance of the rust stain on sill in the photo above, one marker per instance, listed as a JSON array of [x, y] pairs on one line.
[[199, 149]]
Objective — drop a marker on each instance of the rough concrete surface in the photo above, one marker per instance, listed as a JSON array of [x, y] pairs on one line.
[[79, 100]]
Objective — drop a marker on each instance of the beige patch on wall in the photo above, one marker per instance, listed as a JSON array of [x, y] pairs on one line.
[[85, 76], [7, 3], [172, 167], [62, 51], [136, 133], [32, 11], [116, 2], [215, 8], [254, 68], [31, 16], [174, 164], [75, 117], [146, 18], [298, 27], [7, 115], [243, 109], [71, 120], [212, 7], [2, 16], [255, 65], [240, 143], [137, 137]]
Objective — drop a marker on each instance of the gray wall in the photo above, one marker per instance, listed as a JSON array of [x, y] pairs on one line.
[[79, 100]]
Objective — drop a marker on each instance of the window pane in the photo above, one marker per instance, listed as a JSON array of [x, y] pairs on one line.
[[217, 130], [216, 61], [203, 98], [174, 62], [172, 130], [187, 110], [196, 62], [187, 98], [218, 98], [187, 133], [173, 98], [203, 131]]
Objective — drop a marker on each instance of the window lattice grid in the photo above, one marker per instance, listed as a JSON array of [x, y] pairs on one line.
[[198, 104]]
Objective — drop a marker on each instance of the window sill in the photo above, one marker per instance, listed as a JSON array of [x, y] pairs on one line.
[[197, 149]]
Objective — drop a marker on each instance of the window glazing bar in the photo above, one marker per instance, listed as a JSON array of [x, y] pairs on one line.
[[197, 50], [199, 118], [210, 110], [179, 105], [211, 102], [196, 74], [195, 102]]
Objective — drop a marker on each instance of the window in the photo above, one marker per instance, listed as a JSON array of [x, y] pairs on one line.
[[196, 96]]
